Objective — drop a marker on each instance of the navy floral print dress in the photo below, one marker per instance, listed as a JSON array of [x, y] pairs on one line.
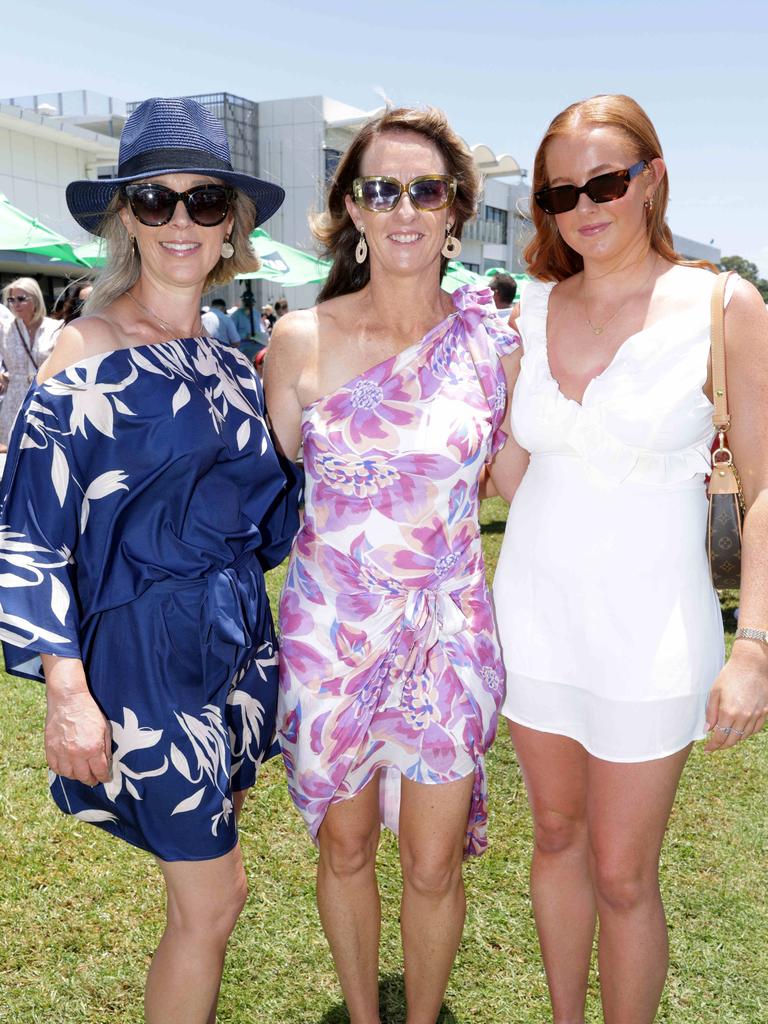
[[141, 503]]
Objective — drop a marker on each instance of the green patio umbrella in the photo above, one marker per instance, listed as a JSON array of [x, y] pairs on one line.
[[93, 254], [21, 233], [456, 274], [283, 264]]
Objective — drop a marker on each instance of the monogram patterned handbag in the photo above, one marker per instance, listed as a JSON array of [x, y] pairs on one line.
[[726, 501]]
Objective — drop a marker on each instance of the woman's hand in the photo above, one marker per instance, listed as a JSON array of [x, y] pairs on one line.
[[78, 738], [738, 704]]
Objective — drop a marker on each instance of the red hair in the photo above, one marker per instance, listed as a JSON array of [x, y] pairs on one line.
[[548, 257]]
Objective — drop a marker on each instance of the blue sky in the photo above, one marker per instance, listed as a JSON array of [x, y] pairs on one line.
[[500, 70]]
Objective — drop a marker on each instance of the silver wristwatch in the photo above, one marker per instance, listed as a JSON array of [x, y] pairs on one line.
[[747, 633]]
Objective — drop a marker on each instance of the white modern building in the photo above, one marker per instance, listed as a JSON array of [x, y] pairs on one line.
[[46, 142]]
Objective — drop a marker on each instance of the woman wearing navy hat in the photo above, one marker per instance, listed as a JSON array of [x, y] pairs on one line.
[[141, 502]]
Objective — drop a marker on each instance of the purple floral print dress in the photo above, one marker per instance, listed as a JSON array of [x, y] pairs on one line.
[[389, 659]]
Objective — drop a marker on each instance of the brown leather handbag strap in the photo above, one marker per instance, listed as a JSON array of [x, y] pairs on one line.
[[721, 417], [27, 349]]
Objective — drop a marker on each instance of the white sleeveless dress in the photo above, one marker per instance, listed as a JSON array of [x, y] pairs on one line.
[[610, 628]]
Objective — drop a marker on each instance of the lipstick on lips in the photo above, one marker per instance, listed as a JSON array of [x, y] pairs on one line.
[[587, 230]]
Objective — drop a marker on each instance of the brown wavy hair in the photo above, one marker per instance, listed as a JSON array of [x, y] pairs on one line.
[[548, 257], [335, 229]]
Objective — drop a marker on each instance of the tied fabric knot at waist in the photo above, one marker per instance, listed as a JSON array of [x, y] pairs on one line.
[[429, 614], [418, 613], [233, 608]]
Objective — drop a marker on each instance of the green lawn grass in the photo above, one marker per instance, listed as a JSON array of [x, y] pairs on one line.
[[80, 913]]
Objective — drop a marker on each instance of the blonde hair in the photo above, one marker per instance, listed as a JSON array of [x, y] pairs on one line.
[[548, 257], [32, 288], [123, 266], [335, 229]]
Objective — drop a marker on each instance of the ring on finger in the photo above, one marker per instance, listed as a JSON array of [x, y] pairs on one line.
[[726, 730]]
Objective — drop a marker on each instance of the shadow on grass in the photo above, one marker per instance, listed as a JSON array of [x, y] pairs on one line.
[[391, 1004]]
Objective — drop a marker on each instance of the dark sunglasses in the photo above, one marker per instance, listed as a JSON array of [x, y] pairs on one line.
[[17, 298], [604, 188], [380, 194], [154, 205]]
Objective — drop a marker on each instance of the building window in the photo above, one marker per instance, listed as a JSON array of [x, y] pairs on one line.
[[497, 216], [487, 264], [474, 267]]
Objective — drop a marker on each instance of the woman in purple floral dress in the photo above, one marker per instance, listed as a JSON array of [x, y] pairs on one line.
[[391, 677]]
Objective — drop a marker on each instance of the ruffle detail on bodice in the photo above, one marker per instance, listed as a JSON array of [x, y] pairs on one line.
[[546, 422]]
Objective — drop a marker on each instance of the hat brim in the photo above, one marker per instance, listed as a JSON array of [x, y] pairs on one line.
[[88, 200]]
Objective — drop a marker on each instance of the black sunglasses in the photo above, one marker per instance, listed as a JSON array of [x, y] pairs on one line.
[[380, 194], [604, 188], [154, 205]]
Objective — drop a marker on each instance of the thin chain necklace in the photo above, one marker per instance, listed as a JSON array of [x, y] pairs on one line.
[[599, 330], [168, 328]]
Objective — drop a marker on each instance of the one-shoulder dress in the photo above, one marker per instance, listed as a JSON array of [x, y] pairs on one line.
[[142, 500], [389, 658], [611, 629]]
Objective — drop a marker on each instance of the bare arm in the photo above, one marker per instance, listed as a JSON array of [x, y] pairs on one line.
[[289, 352], [739, 697], [508, 467], [78, 738]]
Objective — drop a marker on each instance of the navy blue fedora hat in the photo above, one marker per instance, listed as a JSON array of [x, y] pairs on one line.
[[169, 136]]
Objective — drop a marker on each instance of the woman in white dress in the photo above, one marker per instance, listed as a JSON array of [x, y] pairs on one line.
[[611, 630], [25, 344]]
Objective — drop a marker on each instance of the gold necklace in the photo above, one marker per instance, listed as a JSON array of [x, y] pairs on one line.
[[599, 330], [174, 332]]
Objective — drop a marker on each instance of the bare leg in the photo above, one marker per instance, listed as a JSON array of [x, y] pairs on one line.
[[348, 898], [433, 824], [555, 773], [204, 901], [238, 799], [628, 809]]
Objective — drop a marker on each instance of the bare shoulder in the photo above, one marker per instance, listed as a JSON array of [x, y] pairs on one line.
[[293, 342], [295, 328], [296, 337], [747, 308], [88, 336]]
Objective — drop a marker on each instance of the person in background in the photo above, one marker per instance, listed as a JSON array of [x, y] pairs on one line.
[[6, 318], [390, 671], [268, 319], [281, 308], [220, 326], [611, 630], [144, 489], [504, 288], [247, 321], [69, 305], [26, 341]]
